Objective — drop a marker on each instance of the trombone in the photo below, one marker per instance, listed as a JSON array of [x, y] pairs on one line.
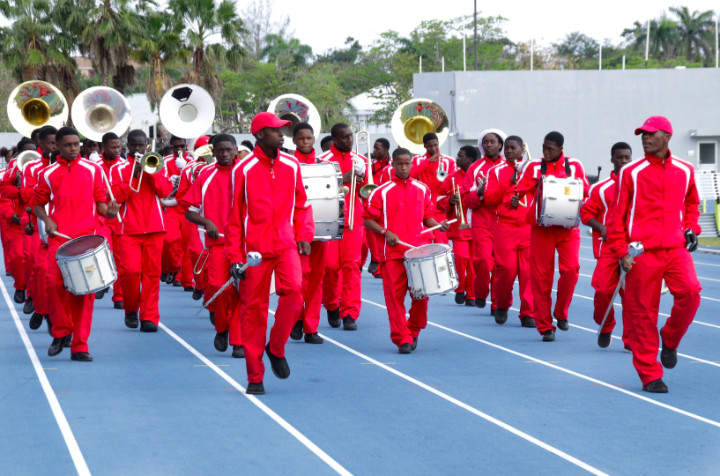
[[353, 178], [367, 189], [459, 206], [150, 163]]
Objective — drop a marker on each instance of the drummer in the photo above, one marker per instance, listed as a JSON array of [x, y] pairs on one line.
[[398, 209], [76, 192]]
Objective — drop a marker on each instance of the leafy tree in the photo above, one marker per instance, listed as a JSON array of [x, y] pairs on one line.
[[288, 53], [259, 23], [577, 50], [696, 32]]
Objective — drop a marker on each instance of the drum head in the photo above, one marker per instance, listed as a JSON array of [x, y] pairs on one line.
[[426, 251], [79, 246]]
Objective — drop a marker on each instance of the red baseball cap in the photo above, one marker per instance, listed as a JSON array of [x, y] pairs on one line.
[[201, 141], [266, 119], [655, 123]]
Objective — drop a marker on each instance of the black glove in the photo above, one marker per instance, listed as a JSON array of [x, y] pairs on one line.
[[691, 240], [237, 271]]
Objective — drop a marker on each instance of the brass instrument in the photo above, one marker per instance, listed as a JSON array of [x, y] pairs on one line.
[[442, 172], [99, 110], [150, 163], [25, 157], [187, 111], [351, 206], [35, 104], [415, 118], [459, 207], [363, 137], [296, 109]]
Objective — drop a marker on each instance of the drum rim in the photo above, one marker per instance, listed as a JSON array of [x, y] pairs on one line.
[[90, 251], [445, 247]]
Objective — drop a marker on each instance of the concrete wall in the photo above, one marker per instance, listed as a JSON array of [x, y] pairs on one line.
[[592, 109]]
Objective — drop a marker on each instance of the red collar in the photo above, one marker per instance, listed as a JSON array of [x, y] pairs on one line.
[[306, 158], [657, 160], [336, 151]]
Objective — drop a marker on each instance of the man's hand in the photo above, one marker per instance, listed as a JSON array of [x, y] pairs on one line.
[[434, 158], [137, 169], [50, 227], [237, 272], [29, 229], [480, 187], [175, 179], [444, 226], [454, 199], [211, 230], [304, 248], [603, 232], [691, 240], [392, 238], [515, 200], [627, 262], [15, 218], [112, 210]]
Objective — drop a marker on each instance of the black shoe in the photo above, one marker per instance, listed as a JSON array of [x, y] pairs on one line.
[[656, 386], [470, 303], [668, 356], [527, 321], [604, 339], [627, 348], [176, 284], [372, 269], [163, 277], [118, 305], [297, 330], [67, 341], [197, 295], [169, 278], [212, 318], [501, 316], [460, 298], [101, 294], [313, 338], [279, 365], [492, 312], [349, 324], [405, 348], [334, 318], [189, 289], [81, 356], [414, 344], [221, 341], [563, 325], [36, 321], [29, 307], [148, 326], [131, 320], [480, 303], [238, 352], [255, 389], [19, 296], [56, 347], [49, 324], [377, 275], [548, 336]]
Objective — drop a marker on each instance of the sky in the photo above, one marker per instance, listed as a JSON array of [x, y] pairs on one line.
[[323, 24]]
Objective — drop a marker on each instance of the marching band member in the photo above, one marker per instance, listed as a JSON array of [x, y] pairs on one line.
[[342, 283], [176, 255], [269, 215], [425, 169], [461, 239], [544, 240], [595, 213], [483, 216], [511, 235], [76, 192], [371, 243], [208, 203], [141, 234], [657, 205], [313, 265], [398, 210]]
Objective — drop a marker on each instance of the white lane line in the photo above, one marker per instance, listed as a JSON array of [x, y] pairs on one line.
[[72, 445], [568, 371], [327, 459], [471, 409], [701, 278]]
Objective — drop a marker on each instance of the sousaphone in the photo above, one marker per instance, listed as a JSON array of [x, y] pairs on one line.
[[415, 118], [187, 111], [296, 109], [99, 110], [35, 104]]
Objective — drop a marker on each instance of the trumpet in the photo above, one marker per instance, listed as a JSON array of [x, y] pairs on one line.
[[442, 172], [150, 163], [367, 189], [459, 207]]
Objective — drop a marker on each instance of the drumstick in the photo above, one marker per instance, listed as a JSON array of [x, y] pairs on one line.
[[112, 196], [406, 244], [203, 230], [61, 235], [438, 226]]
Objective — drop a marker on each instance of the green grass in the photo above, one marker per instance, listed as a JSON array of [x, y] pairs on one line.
[[713, 241]]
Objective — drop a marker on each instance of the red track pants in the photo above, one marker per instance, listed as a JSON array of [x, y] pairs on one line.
[[227, 306], [176, 247], [288, 287], [15, 263], [462, 250], [195, 249], [38, 279], [341, 283], [512, 260], [605, 279], [642, 299], [140, 257], [313, 268], [395, 287], [543, 243], [68, 313], [4, 226], [483, 263], [113, 242]]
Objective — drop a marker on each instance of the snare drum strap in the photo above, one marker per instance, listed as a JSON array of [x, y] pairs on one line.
[[543, 168]]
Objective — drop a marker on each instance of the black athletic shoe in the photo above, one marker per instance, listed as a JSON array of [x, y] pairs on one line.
[[405, 348], [81, 356], [212, 318], [313, 338], [279, 365], [527, 321], [29, 307], [189, 289], [118, 305], [548, 336], [19, 296], [334, 318], [197, 295], [67, 341], [56, 346], [668, 356], [176, 284], [414, 344], [36, 321], [656, 386], [238, 352], [480, 303], [460, 298], [470, 303], [221, 341], [297, 330], [131, 320], [148, 326], [255, 389], [349, 324], [49, 324], [563, 325], [627, 348], [101, 294], [501, 316], [372, 269], [169, 278], [163, 277], [604, 339]]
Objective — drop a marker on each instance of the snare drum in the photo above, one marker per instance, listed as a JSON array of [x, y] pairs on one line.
[[559, 201], [430, 270], [324, 189], [86, 264]]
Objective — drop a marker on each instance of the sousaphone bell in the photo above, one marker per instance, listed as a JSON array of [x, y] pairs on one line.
[[296, 109], [35, 104], [415, 118], [99, 110], [187, 111]]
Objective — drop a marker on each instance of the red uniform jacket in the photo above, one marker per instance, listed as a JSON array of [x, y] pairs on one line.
[[141, 212], [347, 161], [379, 167], [483, 215], [528, 182], [401, 206], [306, 159], [599, 205], [8, 189], [72, 189], [30, 177], [499, 190], [426, 172], [656, 202], [443, 204], [269, 213], [107, 165], [210, 196]]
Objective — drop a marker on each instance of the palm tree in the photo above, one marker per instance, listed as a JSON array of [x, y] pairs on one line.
[[203, 21], [664, 38], [696, 31]]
